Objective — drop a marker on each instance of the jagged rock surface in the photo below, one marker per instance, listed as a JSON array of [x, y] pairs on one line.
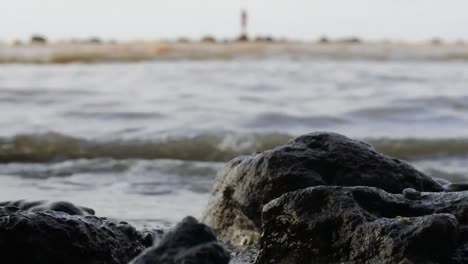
[[327, 224], [59, 206], [189, 242], [54, 237], [247, 183]]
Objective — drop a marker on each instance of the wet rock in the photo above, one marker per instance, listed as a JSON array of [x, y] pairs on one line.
[[247, 183], [56, 237], [60, 206], [456, 187], [441, 181], [330, 224], [452, 187], [189, 242]]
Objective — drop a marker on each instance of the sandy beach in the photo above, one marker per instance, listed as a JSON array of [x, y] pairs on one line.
[[155, 50]]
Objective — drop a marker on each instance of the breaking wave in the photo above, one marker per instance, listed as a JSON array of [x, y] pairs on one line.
[[54, 147]]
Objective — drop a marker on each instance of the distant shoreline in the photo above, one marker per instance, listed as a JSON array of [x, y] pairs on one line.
[[59, 53]]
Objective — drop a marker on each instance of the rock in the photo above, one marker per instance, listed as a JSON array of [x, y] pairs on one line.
[[56, 237], [456, 187], [330, 224], [189, 242], [208, 39], [452, 187], [242, 38], [38, 206], [38, 39], [412, 194], [247, 183], [441, 181]]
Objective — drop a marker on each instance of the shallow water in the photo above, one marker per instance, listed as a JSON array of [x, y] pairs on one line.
[[142, 141]]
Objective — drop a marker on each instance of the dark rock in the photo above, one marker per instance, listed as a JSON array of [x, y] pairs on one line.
[[441, 181], [189, 242], [38, 39], [456, 187], [327, 224], [242, 38], [452, 187], [324, 40], [39, 206], [350, 40], [247, 183], [95, 40], [183, 40], [208, 39], [437, 41], [268, 39], [56, 237]]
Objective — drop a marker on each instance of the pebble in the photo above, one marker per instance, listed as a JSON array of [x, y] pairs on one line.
[[412, 194]]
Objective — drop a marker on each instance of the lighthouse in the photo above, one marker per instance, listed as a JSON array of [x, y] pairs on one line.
[[244, 20]]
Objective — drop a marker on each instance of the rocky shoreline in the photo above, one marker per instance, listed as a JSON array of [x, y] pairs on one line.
[[321, 198]]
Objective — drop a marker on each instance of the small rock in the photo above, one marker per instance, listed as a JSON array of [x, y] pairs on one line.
[[412, 194], [188, 242]]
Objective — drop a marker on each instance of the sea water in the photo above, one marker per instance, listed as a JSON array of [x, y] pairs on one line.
[[142, 141]]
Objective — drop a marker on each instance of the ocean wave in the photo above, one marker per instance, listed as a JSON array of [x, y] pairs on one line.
[[418, 149], [106, 115], [277, 119], [52, 147], [55, 147], [456, 103]]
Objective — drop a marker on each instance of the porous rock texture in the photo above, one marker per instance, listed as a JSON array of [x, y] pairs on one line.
[[59, 206], [330, 224], [56, 237], [188, 242], [247, 183]]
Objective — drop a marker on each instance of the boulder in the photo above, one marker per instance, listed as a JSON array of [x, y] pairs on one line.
[[247, 183], [188, 242], [330, 224], [57, 237]]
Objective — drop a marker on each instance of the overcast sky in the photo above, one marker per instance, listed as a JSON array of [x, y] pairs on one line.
[[301, 19]]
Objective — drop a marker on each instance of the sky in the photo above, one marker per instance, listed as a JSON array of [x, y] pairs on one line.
[[296, 19]]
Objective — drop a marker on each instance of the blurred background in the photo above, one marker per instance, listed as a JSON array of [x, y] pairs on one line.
[[130, 107]]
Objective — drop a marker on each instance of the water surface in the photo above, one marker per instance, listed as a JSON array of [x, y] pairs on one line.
[[143, 141]]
